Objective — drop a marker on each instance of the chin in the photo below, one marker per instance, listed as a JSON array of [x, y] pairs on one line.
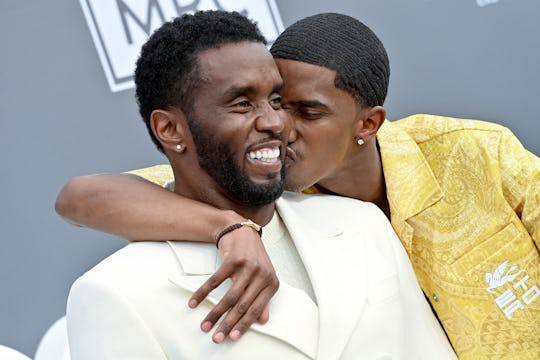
[[269, 180], [295, 187]]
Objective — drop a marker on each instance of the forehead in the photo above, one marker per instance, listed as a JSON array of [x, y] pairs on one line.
[[305, 81], [238, 64]]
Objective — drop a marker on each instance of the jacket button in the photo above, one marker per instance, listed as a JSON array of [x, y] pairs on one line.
[[435, 297]]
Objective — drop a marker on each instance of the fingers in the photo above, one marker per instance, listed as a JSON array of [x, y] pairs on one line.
[[254, 282], [243, 255], [229, 300], [225, 271], [265, 316], [249, 308]]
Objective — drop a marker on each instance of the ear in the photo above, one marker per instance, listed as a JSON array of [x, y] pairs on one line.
[[369, 123], [169, 127]]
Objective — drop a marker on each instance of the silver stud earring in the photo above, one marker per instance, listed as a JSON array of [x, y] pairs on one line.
[[360, 141], [179, 147]]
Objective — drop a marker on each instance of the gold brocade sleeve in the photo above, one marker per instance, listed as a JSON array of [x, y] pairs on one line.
[[159, 174], [311, 190], [520, 175]]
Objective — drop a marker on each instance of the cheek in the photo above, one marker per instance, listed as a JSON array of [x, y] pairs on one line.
[[315, 163], [325, 144]]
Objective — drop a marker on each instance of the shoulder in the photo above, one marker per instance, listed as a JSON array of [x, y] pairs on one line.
[[110, 296], [331, 208], [424, 127], [127, 266], [321, 200]]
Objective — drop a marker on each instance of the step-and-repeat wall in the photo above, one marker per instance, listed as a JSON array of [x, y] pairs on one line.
[[67, 108]]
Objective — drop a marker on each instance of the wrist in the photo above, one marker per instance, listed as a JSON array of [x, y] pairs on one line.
[[247, 223], [226, 218]]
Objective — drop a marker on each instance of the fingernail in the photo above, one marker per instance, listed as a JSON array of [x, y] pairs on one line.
[[192, 303], [206, 326], [219, 337], [235, 335]]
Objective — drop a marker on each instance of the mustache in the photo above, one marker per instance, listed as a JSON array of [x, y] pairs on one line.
[[272, 137]]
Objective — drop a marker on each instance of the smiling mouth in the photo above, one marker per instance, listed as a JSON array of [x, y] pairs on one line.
[[268, 155]]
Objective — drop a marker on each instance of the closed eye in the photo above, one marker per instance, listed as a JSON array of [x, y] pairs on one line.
[[309, 110], [242, 106], [244, 103], [310, 114]]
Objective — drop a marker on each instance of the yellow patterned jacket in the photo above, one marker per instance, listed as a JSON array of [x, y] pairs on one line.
[[465, 201]]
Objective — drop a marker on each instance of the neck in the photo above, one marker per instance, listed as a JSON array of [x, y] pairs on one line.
[[260, 215], [214, 196], [360, 177]]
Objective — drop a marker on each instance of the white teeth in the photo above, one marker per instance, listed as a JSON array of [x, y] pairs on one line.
[[265, 155]]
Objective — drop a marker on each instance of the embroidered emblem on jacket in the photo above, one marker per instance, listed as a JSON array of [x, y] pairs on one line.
[[498, 279], [508, 301]]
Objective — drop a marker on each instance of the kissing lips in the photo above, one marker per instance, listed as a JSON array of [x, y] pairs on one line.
[[290, 156]]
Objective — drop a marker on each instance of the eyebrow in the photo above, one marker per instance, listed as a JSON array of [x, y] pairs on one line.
[[236, 91], [310, 103]]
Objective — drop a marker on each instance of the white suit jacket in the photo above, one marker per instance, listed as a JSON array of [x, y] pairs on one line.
[[133, 305]]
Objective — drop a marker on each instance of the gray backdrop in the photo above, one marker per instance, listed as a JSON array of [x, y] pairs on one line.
[[59, 119]]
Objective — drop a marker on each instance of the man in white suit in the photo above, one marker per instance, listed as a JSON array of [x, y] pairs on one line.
[[208, 91]]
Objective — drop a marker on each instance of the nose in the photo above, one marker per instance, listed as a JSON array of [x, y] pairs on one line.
[[271, 120]]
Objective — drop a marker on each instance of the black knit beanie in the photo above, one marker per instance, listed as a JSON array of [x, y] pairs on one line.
[[344, 44]]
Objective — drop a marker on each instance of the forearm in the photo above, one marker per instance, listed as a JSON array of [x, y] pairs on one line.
[[128, 206]]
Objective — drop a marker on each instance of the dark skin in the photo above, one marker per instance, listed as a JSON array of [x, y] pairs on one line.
[[233, 96], [239, 104], [323, 150], [327, 125], [239, 101]]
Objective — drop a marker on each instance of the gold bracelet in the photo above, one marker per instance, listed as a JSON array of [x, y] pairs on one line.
[[228, 229]]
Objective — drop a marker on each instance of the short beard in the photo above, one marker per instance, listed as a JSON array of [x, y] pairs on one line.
[[216, 158]]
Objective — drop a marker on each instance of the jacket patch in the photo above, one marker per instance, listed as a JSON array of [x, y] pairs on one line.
[[508, 300]]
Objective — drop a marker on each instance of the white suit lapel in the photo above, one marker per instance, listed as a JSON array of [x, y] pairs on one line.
[[332, 259], [294, 318]]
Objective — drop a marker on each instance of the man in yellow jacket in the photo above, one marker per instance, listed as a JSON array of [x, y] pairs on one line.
[[465, 202], [462, 195]]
